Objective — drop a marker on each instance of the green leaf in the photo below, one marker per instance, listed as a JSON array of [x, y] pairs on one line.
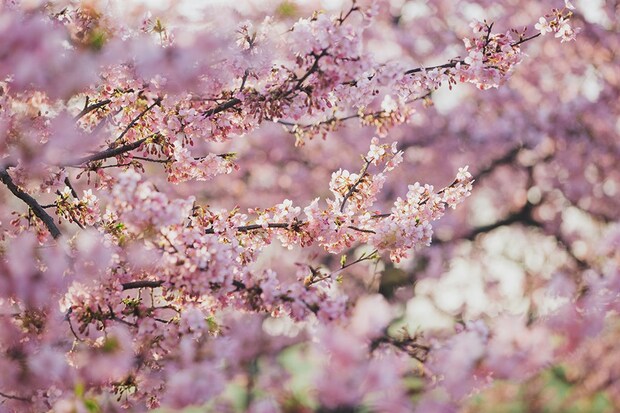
[[110, 345], [79, 390], [287, 9], [97, 39], [91, 405]]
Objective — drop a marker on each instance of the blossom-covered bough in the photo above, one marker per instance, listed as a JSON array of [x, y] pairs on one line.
[[151, 254]]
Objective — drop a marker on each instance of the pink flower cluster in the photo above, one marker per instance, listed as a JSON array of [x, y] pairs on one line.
[[558, 22], [145, 287]]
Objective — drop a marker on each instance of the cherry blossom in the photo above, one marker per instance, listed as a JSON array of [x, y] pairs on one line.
[[287, 206]]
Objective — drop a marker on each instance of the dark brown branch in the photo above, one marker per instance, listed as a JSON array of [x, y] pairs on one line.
[[68, 183], [13, 397], [91, 108], [36, 208], [508, 158], [313, 68], [342, 19], [108, 153], [368, 231], [220, 108], [408, 344], [523, 216], [363, 257], [525, 39], [559, 239], [246, 73], [133, 285], [111, 152]]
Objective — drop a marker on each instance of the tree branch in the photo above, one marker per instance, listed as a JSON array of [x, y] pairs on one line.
[[454, 62], [133, 285], [73, 192], [36, 208], [253, 227], [108, 153], [222, 107], [90, 108], [507, 158], [523, 215]]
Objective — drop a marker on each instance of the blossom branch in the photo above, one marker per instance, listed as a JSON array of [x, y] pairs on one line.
[[136, 119], [351, 191], [36, 208], [87, 109], [115, 151], [364, 257], [454, 62]]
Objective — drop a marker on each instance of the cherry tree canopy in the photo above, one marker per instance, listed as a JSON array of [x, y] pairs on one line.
[[278, 206]]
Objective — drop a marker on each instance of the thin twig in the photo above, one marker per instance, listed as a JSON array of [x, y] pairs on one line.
[[13, 397], [525, 39], [136, 119], [253, 227], [368, 231], [142, 158], [363, 257]]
